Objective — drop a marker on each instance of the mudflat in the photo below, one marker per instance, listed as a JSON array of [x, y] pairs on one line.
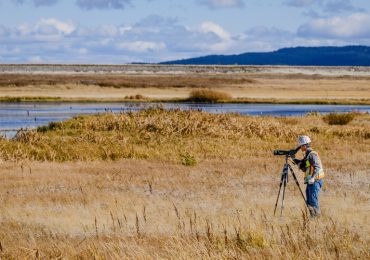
[[160, 82]]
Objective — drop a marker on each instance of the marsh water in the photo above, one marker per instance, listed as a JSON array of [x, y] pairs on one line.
[[15, 116]]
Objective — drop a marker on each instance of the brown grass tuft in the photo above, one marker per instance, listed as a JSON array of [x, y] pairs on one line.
[[136, 97], [208, 95], [339, 118]]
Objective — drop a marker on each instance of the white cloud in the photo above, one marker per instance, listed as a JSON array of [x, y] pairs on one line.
[[53, 26], [325, 6], [83, 51], [222, 44], [352, 26], [84, 4], [124, 29], [103, 4], [108, 30], [45, 30], [211, 27], [157, 38], [150, 40], [141, 46], [24, 29], [218, 48], [262, 38], [221, 3]]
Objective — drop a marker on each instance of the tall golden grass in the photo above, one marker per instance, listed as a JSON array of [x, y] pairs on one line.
[[166, 135], [120, 188], [144, 209]]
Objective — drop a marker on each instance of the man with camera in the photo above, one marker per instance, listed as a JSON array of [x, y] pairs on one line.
[[314, 173]]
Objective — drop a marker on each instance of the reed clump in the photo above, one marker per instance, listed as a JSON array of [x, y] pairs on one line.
[[169, 135], [208, 95], [136, 97], [339, 118]]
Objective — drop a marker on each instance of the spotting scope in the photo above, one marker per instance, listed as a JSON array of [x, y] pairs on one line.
[[290, 153]]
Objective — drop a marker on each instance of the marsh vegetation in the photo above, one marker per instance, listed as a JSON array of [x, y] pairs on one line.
[[180, 184], [161, 83]]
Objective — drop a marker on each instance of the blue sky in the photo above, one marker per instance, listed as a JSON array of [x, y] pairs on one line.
[[124, 31]]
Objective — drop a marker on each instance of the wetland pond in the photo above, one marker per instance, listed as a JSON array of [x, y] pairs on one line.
[[28, 115]]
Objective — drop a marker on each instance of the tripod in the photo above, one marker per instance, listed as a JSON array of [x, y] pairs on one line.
[[284, 180]]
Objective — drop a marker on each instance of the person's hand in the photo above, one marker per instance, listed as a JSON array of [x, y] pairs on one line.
[[311, 181]]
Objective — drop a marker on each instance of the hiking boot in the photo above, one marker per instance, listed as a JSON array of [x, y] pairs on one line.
[[312, 212]]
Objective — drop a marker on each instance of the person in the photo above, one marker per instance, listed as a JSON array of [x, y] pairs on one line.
[[314, 173]]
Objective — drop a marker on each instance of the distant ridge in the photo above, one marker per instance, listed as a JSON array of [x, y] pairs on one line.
[[297, 56]]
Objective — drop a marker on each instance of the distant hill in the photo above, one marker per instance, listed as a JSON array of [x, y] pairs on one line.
[[298, 56]]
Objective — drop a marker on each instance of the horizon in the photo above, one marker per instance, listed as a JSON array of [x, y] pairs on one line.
[[164, 62], [167, 63], [153, 31]]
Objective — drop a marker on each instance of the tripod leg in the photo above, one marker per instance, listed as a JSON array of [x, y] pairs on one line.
[[282, 200], [277, 199], [299, 186]]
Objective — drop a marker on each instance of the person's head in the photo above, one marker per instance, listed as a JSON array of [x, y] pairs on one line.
[[304, 142]]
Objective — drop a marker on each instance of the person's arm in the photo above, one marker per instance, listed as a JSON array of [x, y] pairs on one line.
[[300, 164]]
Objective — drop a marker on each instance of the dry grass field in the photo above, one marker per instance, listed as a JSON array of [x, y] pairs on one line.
[[180, 184], [250, 86]]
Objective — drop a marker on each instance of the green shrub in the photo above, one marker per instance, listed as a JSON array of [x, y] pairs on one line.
[[207, 95], [188, 159], [338, 119]]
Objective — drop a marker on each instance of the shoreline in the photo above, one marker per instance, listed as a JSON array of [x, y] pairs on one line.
[[31, 99]]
